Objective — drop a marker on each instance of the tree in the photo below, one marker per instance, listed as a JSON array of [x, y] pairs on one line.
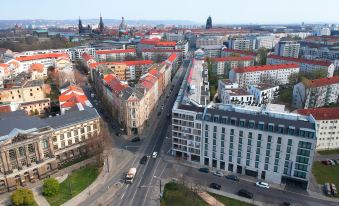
[[50, 187], [23, 197], [262, 56]]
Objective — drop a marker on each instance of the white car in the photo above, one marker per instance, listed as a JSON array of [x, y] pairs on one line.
[[218, 173], [262, 185], [154, 154]]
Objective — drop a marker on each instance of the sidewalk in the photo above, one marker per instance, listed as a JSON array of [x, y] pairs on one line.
[[209, 199], [117, 159]]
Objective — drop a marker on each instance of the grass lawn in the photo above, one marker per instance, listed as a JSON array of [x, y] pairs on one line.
[[325, 173], [329, 152], [178, 195], [229, 201], [74, 184]]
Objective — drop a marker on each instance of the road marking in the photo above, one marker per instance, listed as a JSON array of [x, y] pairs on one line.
[[163, 171], [123, 194], [155, 169]]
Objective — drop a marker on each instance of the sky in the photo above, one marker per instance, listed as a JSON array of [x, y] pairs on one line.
[[222, 11]]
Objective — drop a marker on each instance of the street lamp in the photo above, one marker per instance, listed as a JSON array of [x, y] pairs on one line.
[[160, 183]]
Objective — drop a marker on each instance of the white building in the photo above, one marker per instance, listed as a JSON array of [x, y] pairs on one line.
[[276, 74], [327, 126], [316, 93], [116, 55], [287, 49], [209, 41], [242, 44], [273, 146], [267, 42], [236, 96], [222, 65], [263, 93], [306, 65]]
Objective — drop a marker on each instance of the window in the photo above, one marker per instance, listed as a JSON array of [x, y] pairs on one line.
[[289, 143], [279, 140], [45, 143], [269, 139], [69, 134], [275, 168], [261, 126], [232, 132], [270, 127], [62, 136], [266, 167], [241, 133], [256, 164], [259, 137]]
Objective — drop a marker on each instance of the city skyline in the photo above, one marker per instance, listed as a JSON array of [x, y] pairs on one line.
[[257, 12]]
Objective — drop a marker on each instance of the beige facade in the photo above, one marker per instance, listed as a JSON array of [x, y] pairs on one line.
[[36, 149]]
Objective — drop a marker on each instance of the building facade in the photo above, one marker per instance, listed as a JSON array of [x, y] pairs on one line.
[[33, 148], [223, 65], [327, 126], [287, 49], [316, 93], [263, 93], [275, 74], [117, 55]]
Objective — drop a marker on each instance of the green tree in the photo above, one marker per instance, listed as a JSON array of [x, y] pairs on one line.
[[262, 55], [50, 187], [23, 197]]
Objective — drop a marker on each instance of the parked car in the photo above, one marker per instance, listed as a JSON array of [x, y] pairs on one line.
[[262, 185], [154, 155], [286, 204], [336, 162], [204, 169], [215, 186], [143, 160], [136, 139], [218, 173], [325, 162], [232, 177], [245, 193], [327, 189], [333, 189], [331, 162]]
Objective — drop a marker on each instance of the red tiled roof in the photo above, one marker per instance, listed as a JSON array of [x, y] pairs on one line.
[[116, 51], [321, 113], [298, 60], [3, 65], [160, 50], [37, 67], [321, 82], [265, 68], [240, 51], [86, 57], [70, 97], [149, 41], [166, 43], [225, 59], [114, 83], [41, 56], [172, 57]]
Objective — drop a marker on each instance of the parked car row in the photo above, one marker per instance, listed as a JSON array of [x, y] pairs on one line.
[[330, 189], [330, 162]]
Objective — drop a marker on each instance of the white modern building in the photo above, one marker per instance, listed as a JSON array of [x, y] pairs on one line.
[[263, 93], [223, 65], [208, 41], [316, 93], [236, 96], [327, 126], [242, 44], [287, 49], [116, 55], [275, 74], [306, 65], [273, 146]]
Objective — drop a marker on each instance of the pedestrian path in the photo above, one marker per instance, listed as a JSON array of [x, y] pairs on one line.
[[39, 198], [209, 199]]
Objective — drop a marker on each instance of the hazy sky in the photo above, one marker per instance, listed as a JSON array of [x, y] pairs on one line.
[[222, 11]]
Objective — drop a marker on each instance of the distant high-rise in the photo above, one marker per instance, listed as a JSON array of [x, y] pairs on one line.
[[101, 25], [209, 23]]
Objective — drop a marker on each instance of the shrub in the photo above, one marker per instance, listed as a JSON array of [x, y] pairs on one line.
[[23, 197], [50, 187]]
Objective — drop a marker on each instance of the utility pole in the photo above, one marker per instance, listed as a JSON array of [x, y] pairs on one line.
[[107, 163]]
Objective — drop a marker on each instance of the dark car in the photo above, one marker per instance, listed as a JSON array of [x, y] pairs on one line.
[[286, 204], [204, 169], [118, 134], [245, 193], [232, 177], [325, 162], [159, 113], [215, 186], [143, 160], [136, 139]]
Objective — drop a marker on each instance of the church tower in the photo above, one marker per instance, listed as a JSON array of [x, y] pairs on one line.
[[80, 26], [209, 23], [101, 25]]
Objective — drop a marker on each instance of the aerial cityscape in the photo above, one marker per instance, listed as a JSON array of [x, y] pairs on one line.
[[147, 103]]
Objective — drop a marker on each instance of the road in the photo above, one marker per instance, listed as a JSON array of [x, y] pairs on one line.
[[138, 192]]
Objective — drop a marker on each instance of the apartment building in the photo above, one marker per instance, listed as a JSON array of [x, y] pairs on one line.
[[316, 93], [263, 93], [276, 74], [305, 65], [242, 44], [32, 149], [223, 65], [23, 93], [159, 55], [327, 120], [287, 49], [116, 55], [209, 41], [273, 146]]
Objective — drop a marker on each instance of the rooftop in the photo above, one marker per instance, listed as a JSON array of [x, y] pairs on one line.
[[321, 113], [115, 51], [298, 60], [237, 92], [41, 56], [265, 68], [321, 82], [264, 86]]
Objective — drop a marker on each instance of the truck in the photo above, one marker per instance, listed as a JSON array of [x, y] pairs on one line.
[[130, 175]]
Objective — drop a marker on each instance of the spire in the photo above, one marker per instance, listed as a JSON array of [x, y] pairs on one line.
[[209, 23], [80, 25], [101, 24]]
